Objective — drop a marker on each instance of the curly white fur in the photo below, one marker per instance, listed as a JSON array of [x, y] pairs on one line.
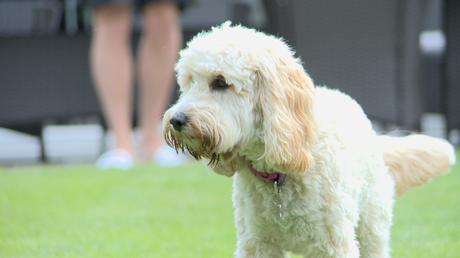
[[246, 100]]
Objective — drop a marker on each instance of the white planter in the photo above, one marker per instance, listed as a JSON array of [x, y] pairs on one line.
[[18, 148], [73, 143]]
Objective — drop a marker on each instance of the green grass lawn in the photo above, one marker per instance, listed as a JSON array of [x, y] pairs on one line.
[[78, 211]]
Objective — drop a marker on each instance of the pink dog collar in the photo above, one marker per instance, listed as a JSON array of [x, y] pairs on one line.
[[272, 178]]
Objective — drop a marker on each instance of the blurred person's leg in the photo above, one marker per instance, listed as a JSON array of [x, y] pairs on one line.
[[158, 51], [112, 69]]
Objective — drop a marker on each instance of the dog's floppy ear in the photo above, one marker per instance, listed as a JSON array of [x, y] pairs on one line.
[[285, 99]]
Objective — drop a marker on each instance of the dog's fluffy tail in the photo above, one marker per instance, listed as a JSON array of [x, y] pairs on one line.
[[415, 159]]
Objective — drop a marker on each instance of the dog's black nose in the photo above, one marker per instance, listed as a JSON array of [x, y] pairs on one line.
[[178, 121]]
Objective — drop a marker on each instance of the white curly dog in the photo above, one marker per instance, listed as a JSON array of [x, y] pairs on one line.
[[310, 175]]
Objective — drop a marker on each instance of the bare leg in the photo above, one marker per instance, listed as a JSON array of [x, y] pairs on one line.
[[157, 53], [112, 69]]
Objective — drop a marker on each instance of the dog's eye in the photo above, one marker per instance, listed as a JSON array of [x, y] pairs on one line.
[[219, 83]]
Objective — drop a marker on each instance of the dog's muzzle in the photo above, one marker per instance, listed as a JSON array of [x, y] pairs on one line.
[[178, 121]]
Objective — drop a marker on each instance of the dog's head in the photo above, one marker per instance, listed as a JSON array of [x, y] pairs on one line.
[[243, 95]]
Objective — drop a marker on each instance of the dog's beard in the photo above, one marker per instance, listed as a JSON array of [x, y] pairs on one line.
[[200, 141]]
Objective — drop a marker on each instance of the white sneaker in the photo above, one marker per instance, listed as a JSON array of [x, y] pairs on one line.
[[117, 158], [167, 157]]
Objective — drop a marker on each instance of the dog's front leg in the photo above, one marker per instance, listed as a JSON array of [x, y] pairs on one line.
[[338, 235], [255, 248], [252, 246]]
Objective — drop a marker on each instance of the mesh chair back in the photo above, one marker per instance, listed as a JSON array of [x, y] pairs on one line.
[[452, 63], [367, 49]]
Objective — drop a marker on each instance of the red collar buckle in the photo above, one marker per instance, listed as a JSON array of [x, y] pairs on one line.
[[277, 178]]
